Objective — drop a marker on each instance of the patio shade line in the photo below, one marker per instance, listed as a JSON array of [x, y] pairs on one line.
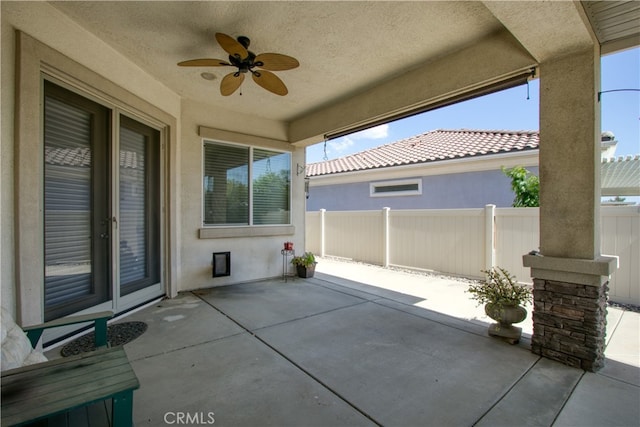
[[294, 363], [524, 339]]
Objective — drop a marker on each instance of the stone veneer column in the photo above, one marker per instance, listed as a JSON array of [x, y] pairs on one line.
[[569, 323], [570, 309], [570, 276]]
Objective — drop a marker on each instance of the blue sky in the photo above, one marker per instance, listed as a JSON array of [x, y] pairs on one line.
[[511, 110]]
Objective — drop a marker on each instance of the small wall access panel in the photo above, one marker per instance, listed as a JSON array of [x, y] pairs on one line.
[[221, 264]]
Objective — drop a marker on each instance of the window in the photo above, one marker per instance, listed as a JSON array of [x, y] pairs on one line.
[[245, 186], [407, 187]]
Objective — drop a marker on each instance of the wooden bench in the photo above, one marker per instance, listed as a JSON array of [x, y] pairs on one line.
[[99, 320], [43, 390], [38, 391]]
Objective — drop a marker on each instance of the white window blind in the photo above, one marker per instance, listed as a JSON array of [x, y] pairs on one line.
[[67, 228], [133, 190], [271, 182], [226, 184]]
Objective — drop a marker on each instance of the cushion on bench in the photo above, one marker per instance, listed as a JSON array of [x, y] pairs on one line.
[[16, 348]]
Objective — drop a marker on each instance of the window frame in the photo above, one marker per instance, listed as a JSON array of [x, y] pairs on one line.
[[206, 229], [374, 185]]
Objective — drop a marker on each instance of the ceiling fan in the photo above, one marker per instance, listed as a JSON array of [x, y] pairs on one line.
[[260, 66]]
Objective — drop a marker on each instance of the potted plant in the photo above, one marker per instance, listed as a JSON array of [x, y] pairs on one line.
[[305, 264], [504, 299]]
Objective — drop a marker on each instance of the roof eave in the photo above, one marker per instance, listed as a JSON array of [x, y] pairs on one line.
[[493, 161]]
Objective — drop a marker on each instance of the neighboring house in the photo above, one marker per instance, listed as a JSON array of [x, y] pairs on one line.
[[445, 169]]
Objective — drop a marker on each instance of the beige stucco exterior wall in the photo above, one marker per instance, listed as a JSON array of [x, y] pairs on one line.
[[252, 257], [188, 258], [22, 179], [7, 94]]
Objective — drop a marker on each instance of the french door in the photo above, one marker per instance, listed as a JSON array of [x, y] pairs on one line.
[[101, 206]]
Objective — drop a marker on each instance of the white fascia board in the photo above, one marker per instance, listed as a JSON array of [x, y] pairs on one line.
[[526, 158]]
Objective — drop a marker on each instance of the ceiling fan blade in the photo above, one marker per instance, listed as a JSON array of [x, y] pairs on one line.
[[230, 83], [270, 82], [204, 62], [276, 62], [231, 46]]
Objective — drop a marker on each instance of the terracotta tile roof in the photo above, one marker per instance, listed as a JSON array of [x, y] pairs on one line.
[[433, 146]]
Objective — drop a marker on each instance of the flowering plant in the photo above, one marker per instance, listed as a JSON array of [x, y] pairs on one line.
[[500, 288]]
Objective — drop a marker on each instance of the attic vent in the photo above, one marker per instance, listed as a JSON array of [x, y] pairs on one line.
[[409, 187]]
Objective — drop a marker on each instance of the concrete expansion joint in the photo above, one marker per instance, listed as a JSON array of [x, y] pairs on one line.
[[507, 391], [573, 389], [291, 361], [173, 350], [309, 316]]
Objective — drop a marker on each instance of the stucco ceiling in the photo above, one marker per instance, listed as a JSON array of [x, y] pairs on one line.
[[344, 48]]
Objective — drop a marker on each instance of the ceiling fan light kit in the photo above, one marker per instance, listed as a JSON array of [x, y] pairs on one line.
[[260, 66]]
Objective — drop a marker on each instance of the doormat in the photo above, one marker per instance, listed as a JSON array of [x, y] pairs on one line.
[[118, 334]]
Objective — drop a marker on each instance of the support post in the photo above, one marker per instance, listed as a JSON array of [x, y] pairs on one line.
[[490, 236], [322, 233], [570, 276], [385, 237]]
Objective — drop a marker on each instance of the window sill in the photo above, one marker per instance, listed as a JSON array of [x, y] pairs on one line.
[[247, 231]]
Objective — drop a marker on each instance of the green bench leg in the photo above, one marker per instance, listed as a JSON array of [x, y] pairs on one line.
[[101, 332], [123, 409], [34, 336]]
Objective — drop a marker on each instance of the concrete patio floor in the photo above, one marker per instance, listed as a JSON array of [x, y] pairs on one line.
[[336, 351]]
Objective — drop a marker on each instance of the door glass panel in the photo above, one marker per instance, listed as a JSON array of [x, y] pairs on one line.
[[132, 207], [139, 216], [67, 228]]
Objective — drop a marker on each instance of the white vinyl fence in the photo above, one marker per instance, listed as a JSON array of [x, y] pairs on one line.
[[463, 242]]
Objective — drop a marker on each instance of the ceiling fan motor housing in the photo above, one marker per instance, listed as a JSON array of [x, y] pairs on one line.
[[245, 64], [244, 41]]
